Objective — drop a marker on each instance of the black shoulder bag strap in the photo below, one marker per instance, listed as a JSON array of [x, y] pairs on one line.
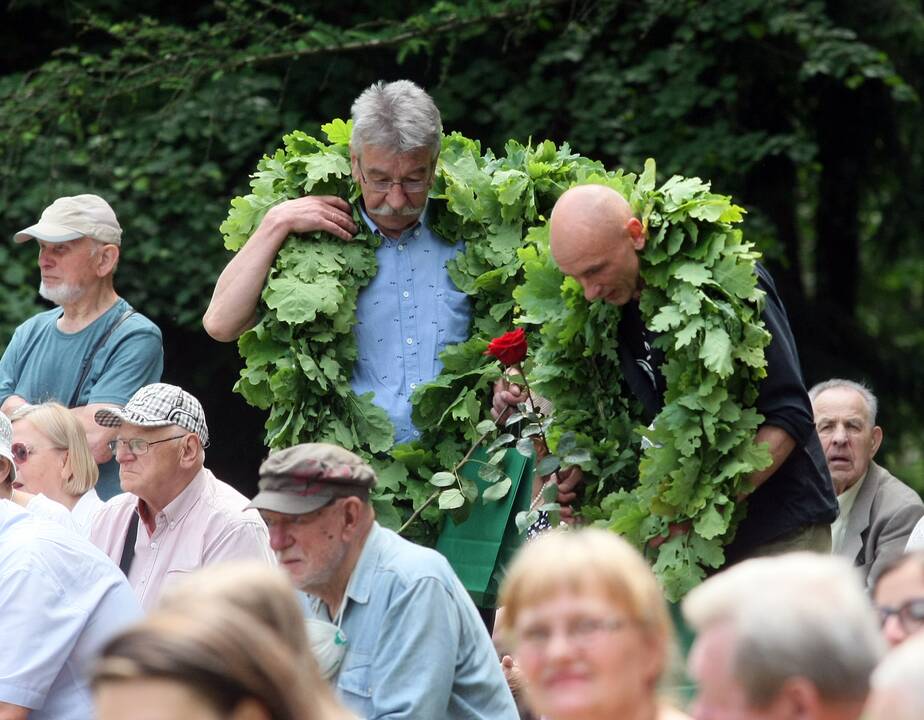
[[88, 360], [128, 549]]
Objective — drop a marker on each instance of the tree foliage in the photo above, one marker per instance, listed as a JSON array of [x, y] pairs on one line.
[[807, 112]]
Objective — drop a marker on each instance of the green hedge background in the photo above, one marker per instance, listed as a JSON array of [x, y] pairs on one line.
[[808, 113]]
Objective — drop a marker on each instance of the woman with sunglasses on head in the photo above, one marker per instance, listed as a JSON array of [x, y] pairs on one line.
[[54, 464], [590, 628], [898, 594]]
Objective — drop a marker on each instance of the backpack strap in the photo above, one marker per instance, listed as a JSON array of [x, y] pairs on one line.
[[128, 549], [88, 360]]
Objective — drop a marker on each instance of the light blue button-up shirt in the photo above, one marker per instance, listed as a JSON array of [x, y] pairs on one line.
[[408, 313], [416, 646], [61, 599]]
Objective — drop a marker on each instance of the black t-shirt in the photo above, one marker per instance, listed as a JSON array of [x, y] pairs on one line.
[[800, 492]]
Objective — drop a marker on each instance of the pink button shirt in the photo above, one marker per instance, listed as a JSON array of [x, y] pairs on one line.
[[206, 523]]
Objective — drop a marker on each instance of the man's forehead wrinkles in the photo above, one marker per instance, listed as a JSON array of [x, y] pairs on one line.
[[845, 416]]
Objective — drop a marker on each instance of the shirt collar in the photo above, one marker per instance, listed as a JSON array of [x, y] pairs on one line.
[[421, 221], [847, 498], [359, 586], [179, 507]]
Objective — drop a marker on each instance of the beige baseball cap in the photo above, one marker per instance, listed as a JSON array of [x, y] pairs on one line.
[[70, 218]]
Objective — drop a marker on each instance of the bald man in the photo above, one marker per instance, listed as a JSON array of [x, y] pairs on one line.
[[597, 240]]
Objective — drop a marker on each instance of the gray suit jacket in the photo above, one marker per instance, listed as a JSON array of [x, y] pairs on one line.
[[883, 516]]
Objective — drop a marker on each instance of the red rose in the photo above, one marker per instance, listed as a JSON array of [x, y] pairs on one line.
[[509, 348]]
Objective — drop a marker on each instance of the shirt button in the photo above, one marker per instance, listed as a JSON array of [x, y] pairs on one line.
[[401, 247], [172, 525], [417, 232], [153, 546], [406, 294], [410, 341]]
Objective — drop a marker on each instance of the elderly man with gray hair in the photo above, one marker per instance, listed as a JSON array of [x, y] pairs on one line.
[[392, 626], [791, 636], [878, 511], [175, 516], [93, 350], [411, 309]]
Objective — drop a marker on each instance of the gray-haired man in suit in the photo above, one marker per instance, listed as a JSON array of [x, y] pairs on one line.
[[878, 511]]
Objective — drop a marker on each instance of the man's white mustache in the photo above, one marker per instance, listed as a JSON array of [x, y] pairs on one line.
[[386, 209]]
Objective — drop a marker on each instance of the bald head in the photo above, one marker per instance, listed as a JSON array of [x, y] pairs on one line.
[[596, 239]]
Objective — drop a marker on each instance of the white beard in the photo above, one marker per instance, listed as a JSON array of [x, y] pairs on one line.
[[62, 294]]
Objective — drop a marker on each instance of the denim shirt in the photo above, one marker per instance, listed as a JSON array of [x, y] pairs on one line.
[[408, 313], [416, 646]]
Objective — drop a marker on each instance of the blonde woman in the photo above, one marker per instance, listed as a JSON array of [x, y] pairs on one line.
[[589, 626], [54, 463], [267, 594], [208, 661]]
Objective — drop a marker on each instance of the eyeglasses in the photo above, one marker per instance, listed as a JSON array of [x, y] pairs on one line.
[[137, 446], [910, 614], [384, 186], [21, 451], [580, 631]]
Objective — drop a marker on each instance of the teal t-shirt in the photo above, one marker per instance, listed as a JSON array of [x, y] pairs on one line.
[[42, 363]]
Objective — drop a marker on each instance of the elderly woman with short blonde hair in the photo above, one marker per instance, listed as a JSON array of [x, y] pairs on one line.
[[589, 626], [54, 462]]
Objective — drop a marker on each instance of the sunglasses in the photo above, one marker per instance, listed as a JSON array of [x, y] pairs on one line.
[[21, 451]]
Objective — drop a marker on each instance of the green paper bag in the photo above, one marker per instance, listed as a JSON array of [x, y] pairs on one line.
[[480, 548]]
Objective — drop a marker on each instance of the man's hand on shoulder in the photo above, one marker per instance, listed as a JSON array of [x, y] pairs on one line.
[[232, 309], [324, 213]]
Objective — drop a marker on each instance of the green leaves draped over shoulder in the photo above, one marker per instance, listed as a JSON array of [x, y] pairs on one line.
[[701, 296], [299, 357]]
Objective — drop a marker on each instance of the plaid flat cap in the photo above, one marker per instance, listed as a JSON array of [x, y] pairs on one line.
[[306, 477], [159, 405]]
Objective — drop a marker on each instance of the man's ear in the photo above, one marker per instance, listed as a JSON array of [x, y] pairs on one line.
[[353, 509], [636, 233], [106, 260], [190, 448], [877, 441]]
